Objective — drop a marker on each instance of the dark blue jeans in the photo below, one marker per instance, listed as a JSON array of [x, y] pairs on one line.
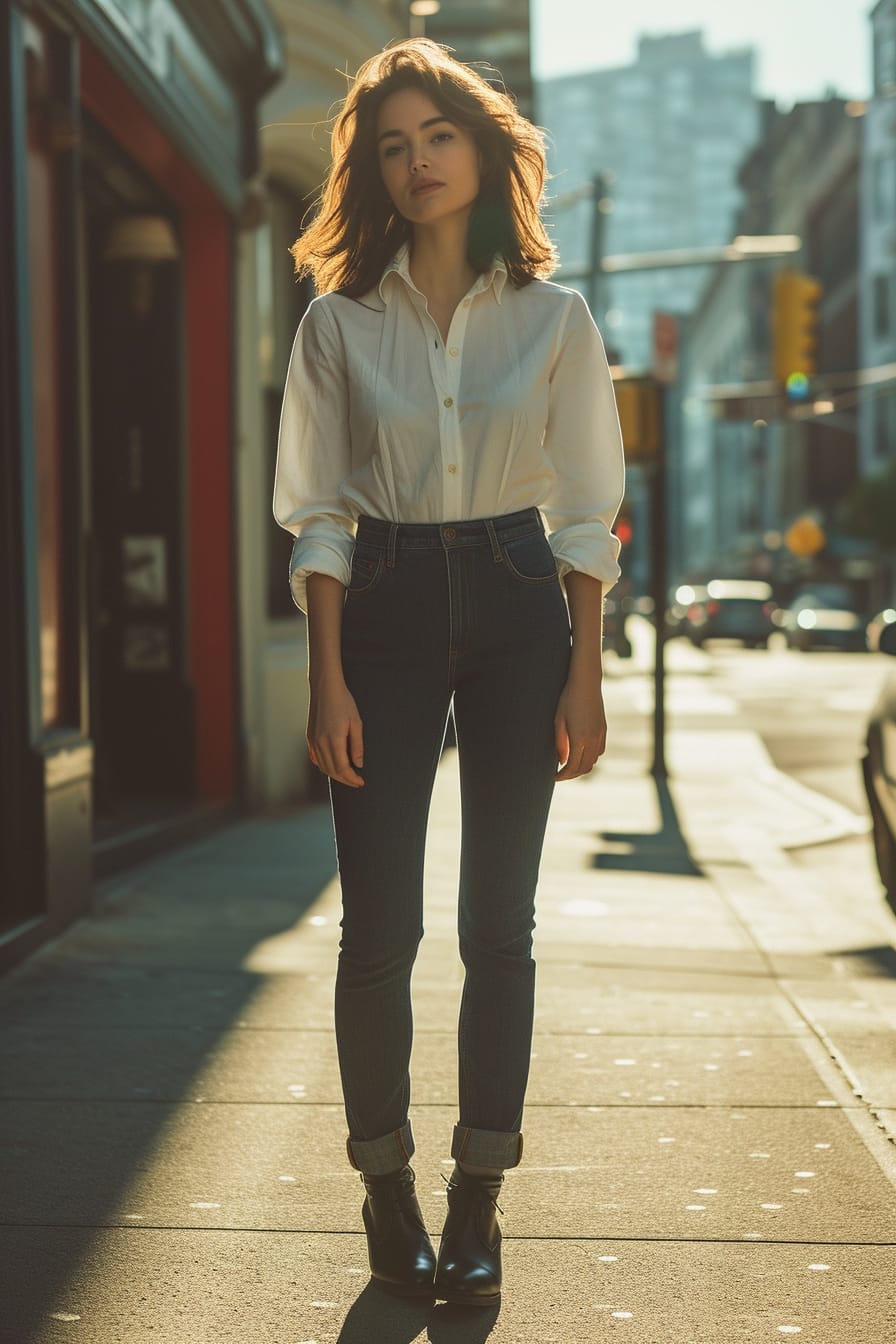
[[471, 612]]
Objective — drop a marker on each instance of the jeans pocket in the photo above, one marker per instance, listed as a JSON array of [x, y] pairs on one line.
[[530, 559], [367, 568]]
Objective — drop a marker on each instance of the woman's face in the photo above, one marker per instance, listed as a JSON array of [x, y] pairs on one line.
[[430, 166]]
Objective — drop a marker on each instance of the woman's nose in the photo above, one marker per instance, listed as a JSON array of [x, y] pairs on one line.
[[419, 160]]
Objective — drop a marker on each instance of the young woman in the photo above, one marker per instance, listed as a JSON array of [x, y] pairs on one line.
[[443, 404]]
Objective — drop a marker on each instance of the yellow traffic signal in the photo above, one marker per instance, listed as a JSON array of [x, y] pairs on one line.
[[794, 324], [637, 401]]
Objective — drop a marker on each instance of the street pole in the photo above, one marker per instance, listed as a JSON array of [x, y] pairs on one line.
[[659, 584], [599, 186]]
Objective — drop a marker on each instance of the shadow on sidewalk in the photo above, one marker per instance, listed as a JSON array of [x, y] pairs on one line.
[[109, 1033], [662, 851], [868, 962], [376, 1318]]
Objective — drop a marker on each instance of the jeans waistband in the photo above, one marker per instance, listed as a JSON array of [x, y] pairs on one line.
[[432, 536]]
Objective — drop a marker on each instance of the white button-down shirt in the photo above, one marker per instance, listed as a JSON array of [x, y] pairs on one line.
[[382, 417]]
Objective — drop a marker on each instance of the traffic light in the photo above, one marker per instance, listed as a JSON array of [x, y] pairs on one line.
[[638, 404], [623, 529], [794, 327]]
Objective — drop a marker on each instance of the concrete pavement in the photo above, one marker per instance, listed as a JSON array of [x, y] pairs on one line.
[[711, 1120]]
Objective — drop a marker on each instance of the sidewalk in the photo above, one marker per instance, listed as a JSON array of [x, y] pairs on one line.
[[711, 1126]]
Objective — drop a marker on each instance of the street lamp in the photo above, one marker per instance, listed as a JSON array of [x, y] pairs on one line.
[[420, 11]]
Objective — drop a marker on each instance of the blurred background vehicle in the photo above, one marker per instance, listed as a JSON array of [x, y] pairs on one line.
[[877, 625], [879, 771], [824, 615], [730, 609], [681, 599]]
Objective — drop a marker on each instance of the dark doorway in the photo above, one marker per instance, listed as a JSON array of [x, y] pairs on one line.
[[142, 719]]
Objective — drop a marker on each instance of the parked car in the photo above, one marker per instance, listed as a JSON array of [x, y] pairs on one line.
[[732, 609], [879, 771], [681, 600], [825, 615], [877, 625]]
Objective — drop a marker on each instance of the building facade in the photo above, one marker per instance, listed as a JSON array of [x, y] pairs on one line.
[[878, 280], [127, 137], [669, 133], [750, 466], [714, 500]]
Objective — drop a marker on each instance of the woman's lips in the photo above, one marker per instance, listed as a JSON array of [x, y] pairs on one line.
[[427, 188]]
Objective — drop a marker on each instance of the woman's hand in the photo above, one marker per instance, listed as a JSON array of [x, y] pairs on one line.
[[335, 733], [580, 726], [335, 737]]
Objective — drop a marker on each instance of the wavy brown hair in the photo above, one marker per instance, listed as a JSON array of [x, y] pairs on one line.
[[357, 230]]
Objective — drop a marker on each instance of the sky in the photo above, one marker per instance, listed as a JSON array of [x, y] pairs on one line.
[[804, 47]]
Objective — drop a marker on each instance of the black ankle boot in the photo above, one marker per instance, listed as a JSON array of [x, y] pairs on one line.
[[469, 1267], [402, 1260]]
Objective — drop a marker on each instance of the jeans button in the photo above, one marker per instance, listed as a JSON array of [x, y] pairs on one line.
[[449, 533]]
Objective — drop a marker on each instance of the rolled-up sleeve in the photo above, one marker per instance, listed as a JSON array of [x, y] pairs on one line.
[[584, 445], [313, 455]]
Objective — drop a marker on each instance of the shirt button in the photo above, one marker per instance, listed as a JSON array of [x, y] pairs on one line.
[[467, 302], [452, 468], [449, 401], [454, 351]]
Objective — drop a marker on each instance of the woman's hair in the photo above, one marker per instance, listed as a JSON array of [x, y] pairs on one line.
[[357, 230]]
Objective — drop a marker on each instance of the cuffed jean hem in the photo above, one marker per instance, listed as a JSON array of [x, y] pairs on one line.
[[377, 1157], [486, 1147]]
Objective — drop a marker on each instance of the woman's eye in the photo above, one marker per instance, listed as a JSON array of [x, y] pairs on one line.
[[390, 151]]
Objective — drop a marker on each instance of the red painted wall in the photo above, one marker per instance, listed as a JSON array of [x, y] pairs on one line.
[[207, 244]]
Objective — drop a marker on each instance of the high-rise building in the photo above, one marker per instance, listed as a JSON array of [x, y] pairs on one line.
[[669, 131], [746, 470], [878, 250]]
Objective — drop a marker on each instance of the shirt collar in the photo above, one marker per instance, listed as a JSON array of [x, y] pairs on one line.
[[494, 278]]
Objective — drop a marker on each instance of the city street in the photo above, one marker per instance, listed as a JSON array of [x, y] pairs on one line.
[[712, 1113], [281, 279], [809, 710]]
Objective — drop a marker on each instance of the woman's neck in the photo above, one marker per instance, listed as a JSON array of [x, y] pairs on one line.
[[438, 263]]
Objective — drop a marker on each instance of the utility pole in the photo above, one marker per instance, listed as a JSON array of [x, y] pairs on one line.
[[659, 583], [599, 187]]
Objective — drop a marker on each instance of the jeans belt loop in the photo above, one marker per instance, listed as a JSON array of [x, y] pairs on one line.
[[390, 549], [493, 539]]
